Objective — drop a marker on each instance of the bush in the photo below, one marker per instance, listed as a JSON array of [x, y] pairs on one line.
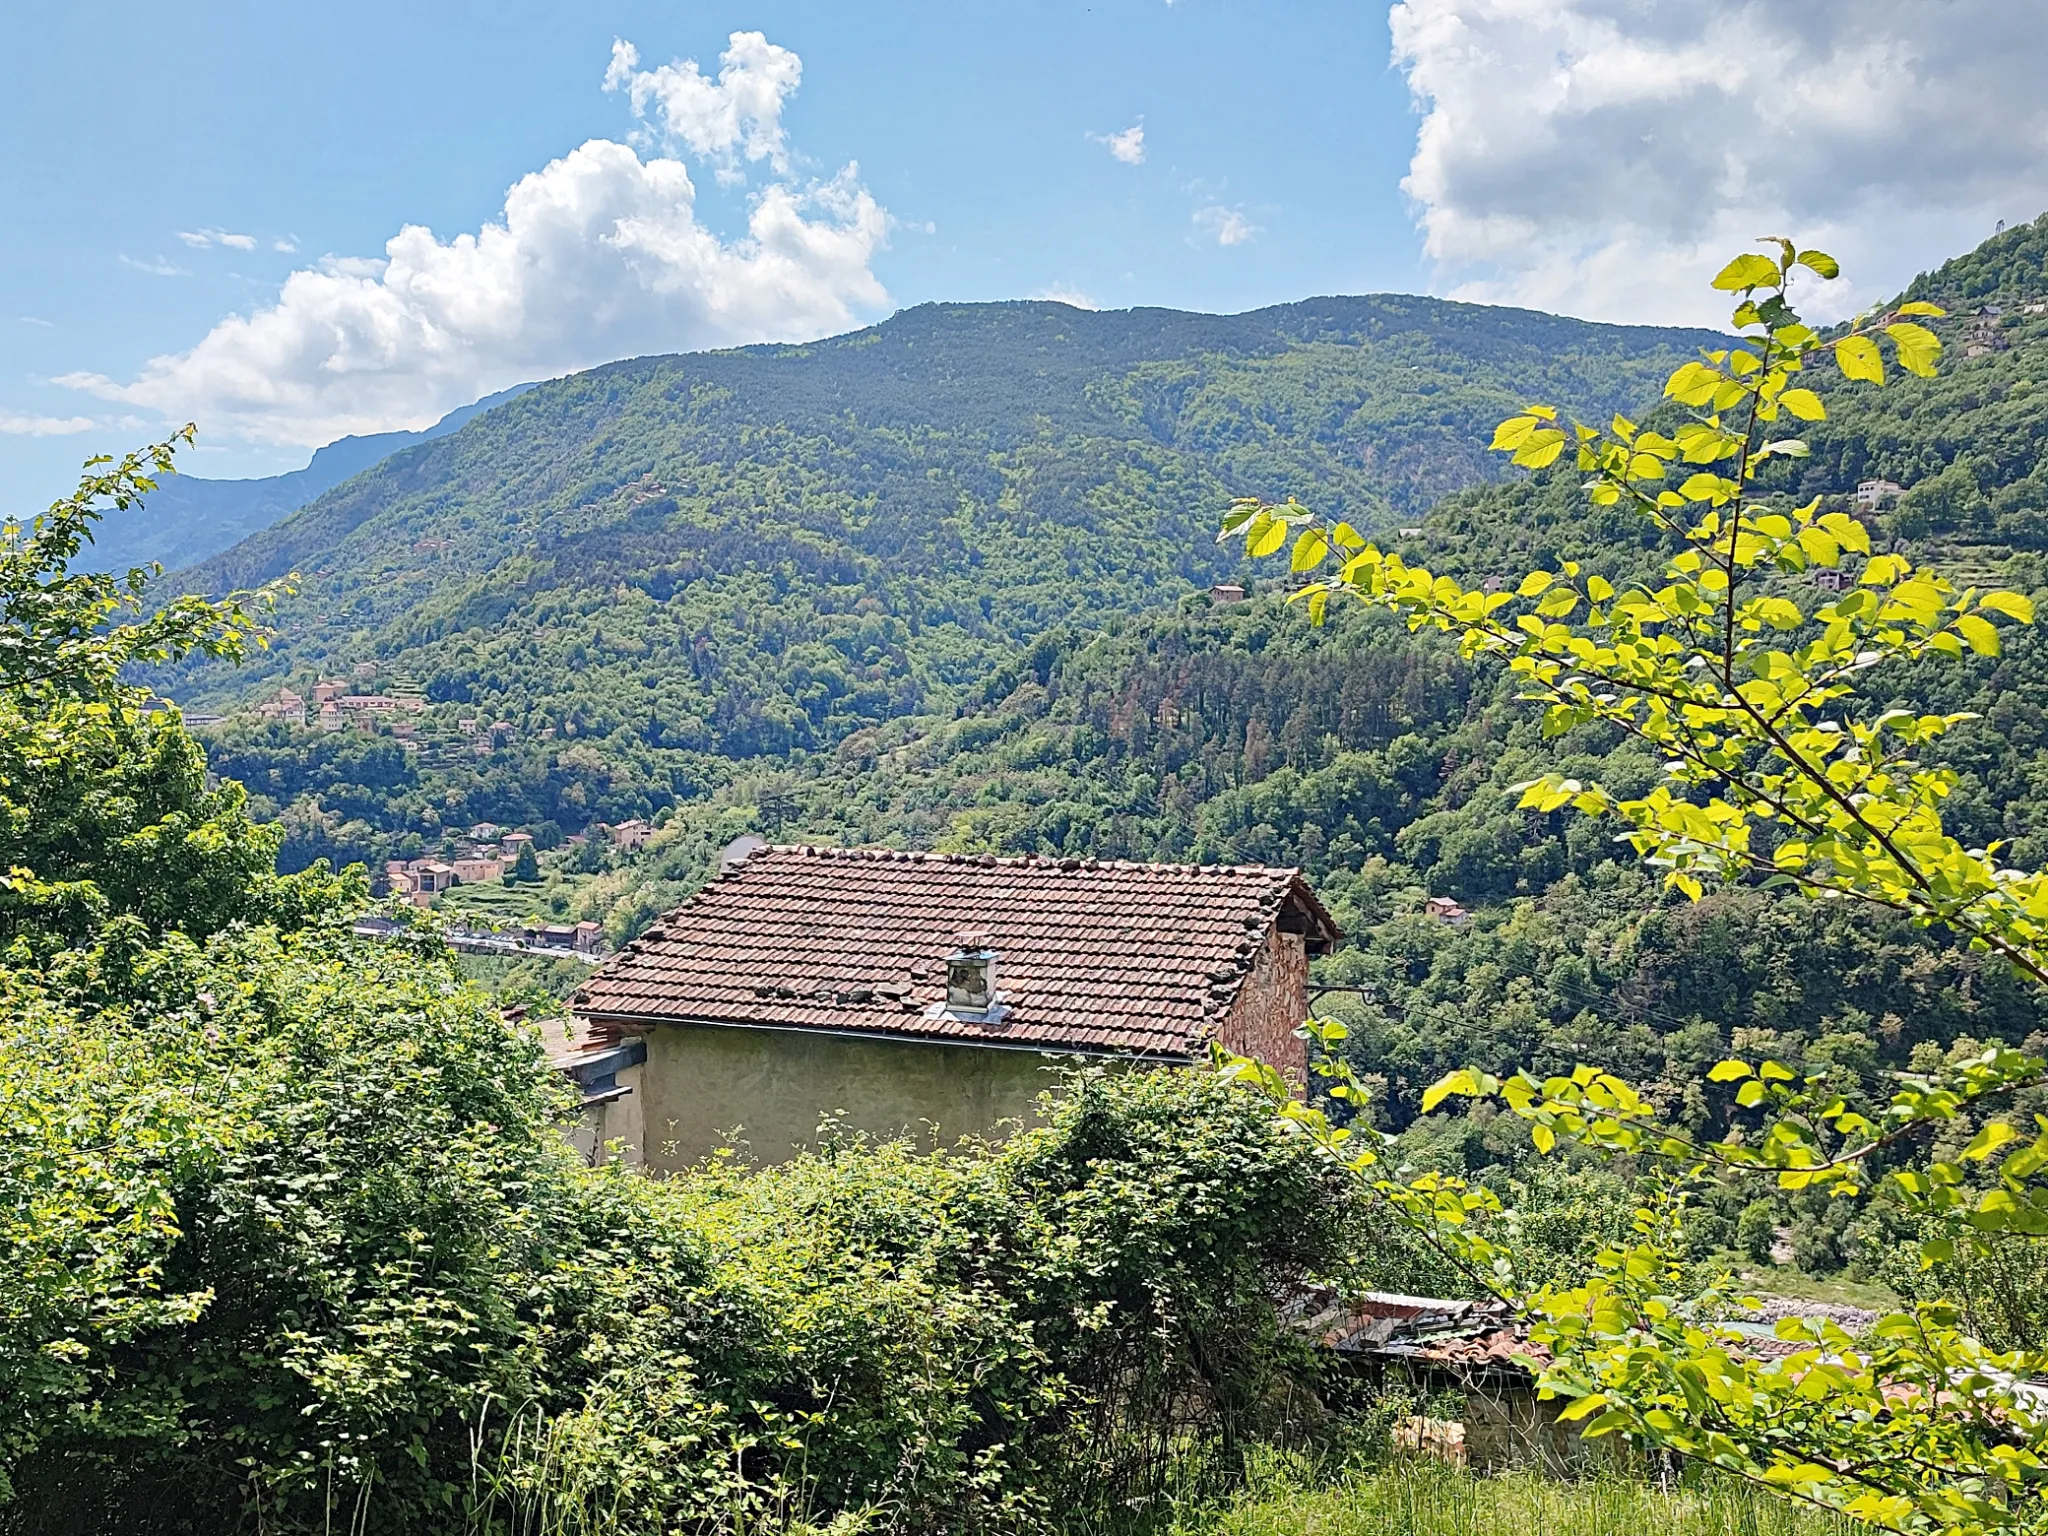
[[296, 1241]]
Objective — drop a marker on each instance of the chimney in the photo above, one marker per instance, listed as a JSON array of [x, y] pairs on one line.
[[971, 974]]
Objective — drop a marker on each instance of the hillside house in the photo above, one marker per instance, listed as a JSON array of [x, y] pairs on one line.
[[478, 871], [1226, 592], [928, 993], [1876, 495], [510, 844], [1446, 910], [287, 706], [630, 835]]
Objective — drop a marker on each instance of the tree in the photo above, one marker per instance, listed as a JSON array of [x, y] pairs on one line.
[[526, 865], [105, 809], [1754, 690]]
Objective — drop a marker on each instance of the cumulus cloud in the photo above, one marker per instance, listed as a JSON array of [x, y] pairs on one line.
[[285, 243], [44, 426], [1227, 226], [1127, 144], [737, 115], [200, 239], [1604, 156], [596, 256]]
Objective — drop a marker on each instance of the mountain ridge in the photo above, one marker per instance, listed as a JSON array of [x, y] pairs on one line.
[[189, 518]]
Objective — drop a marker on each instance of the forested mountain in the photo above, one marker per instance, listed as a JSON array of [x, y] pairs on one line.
[[962, 606], [188, 518], [688, 562]]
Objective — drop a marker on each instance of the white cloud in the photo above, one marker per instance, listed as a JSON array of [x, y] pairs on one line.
[[33, 320], [200, 239], [1127, 144], [1060, 293], [598, 255], [156, 266], [1603, 157], [1229, 226], [738, 114], [285, 243], [44, 426]]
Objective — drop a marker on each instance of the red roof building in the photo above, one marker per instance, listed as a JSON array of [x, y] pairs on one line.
[[852, 976]]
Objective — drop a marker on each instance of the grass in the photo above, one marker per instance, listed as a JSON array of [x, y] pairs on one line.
[[1427, 1498], [515, 903]]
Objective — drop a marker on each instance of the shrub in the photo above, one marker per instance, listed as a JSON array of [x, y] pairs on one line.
[[293, 1239]]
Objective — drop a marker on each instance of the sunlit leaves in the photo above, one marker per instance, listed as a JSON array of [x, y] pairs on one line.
[[1858, 358], [1804, 404], [1916, 347], [1746, 272]]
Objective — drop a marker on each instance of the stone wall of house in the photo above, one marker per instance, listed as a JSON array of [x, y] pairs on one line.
[[1270, 1007], [765, 1092]]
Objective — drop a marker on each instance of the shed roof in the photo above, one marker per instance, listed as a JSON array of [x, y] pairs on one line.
[[1113, 958]]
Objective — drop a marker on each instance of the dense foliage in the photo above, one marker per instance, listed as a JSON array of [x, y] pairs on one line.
[[657, 572], [293, 1239], [1779, 767]]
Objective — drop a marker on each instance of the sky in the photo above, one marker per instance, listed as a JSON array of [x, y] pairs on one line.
[[288, 223]]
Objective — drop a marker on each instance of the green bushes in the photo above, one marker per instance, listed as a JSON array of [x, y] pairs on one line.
[[291, 1238]]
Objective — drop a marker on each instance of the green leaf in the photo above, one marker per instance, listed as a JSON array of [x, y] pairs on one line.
[[1922, 307], [1535, 584], [1917, 347], [1750, 1094], [1263, 541], [1804, 404], [1463, 1082], [1994, 1135], [1310, 549], [1746, 272], [1821, 264], [1781, 613], [2011, 604], [1728, 1071], [1858, 358], [1980, 634]]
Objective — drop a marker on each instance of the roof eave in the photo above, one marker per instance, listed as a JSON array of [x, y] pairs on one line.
[[899, 1037]]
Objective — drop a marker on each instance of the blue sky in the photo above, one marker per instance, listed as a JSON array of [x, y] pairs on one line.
[[818, 166]]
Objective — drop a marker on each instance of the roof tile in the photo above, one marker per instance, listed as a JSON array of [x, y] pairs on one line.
[[1138, 959]]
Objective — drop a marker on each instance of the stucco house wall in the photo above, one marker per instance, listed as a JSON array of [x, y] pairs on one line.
[[764, 1092]]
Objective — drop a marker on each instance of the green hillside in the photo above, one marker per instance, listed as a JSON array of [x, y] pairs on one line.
[[1011, 650], [661, 568]]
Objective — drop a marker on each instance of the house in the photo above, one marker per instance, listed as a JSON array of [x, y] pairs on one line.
[[923, 993], [510, 844], [287, 706], [1411, 533], [330, 717], [1445, 910], [1831, 578], [589, 938], [486, 831], [630, 835], [478, 871], [1226, 592], [1875, 495]]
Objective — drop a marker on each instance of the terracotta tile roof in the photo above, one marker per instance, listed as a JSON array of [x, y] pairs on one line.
[[1138, 959]]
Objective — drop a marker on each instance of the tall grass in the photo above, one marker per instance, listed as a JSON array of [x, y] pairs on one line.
[[1427, 1498]]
